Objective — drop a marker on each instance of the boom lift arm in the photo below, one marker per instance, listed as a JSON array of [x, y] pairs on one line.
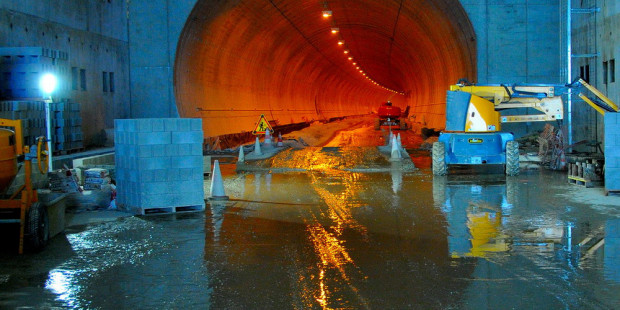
[[606, 106], [489, 100]]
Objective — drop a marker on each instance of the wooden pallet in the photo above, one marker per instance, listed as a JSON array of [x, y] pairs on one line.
[[165, 210], [612, 192], [583, 182]]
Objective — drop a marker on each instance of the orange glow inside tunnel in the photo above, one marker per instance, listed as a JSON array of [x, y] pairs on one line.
[[239, 59]]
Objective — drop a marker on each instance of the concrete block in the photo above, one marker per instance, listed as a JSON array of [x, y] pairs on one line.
[[154, 188], [153, 163], [184, 149], [612, 161], [187, 162], [130, 125], [145, 150], [611, 139], [172, 150], [196, 149], [171, 124], [184, 124], [158, 124], [144, 125], [161, 175], [612, 178], [150, 138], [196, 124], [171, 175], [159, 150], [187, 137], [612, 229], [118, 126], [612, 119]]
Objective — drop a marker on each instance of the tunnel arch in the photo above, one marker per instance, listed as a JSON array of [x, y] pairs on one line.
[[238, 59]]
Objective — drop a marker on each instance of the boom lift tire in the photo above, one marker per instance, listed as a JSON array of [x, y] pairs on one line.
[[37, 227], [512, 158], [439, 158]]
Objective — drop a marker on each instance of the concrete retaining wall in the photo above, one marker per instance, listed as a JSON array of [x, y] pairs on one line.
[[93, 33]]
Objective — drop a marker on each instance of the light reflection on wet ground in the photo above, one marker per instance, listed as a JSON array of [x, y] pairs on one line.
[[336, 239]]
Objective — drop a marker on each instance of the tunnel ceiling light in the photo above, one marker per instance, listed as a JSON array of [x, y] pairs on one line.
[[327, 13]]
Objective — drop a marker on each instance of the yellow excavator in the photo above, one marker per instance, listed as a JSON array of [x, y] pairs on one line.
[[22, 206]]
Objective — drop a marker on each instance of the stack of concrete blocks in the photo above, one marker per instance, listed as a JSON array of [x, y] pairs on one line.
[[612, 151], [32, 114], [66, 122], [67, 126], [21, 69], [159, 165]]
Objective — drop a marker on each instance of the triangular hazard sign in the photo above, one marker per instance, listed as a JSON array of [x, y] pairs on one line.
[[262, 126]]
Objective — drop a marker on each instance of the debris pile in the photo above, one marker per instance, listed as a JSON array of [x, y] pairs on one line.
[[551, 148]]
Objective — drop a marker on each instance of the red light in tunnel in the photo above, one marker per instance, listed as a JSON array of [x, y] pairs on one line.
[[346, 52], [335, 30], [350, 58], [327, 14], [340, 42]]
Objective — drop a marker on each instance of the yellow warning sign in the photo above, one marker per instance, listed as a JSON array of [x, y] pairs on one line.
[[262, 126]]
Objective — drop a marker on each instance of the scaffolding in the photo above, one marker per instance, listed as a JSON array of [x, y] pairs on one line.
[[578, 40]]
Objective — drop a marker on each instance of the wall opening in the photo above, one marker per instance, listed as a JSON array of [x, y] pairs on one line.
[[238, 59]]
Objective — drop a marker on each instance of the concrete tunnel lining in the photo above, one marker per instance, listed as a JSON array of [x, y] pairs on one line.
[[239, 59]]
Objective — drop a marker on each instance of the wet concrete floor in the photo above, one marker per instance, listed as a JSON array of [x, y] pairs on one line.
[[340, 240], [345, 240]]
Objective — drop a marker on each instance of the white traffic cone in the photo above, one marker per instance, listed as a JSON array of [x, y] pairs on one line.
[[400, 144], [395, 150], [280, 140], [257, 150], [217, 184], [268, 142], [241, 158]]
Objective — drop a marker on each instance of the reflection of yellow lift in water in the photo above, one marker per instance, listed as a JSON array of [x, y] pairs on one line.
[[22, 206], [474, 215]]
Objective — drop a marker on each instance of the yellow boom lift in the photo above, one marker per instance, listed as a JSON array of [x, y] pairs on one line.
[[474, 116]]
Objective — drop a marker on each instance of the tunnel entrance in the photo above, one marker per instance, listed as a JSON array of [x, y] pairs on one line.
[[303, 60]]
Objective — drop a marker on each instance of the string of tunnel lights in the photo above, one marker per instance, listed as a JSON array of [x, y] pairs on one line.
[[328, 14]]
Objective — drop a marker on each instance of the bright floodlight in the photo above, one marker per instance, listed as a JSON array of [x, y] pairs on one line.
[[48, 83]]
